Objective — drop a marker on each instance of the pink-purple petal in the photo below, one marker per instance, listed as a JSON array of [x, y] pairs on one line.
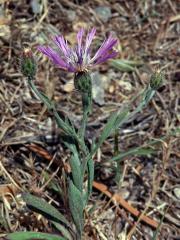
[[89, 38], [78, 58], [48, 51], [79, 40], [62, 45], [106, 46], [105, 57]]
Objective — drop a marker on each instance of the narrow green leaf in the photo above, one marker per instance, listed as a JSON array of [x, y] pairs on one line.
[[41, 95], [149, 93], [62, 230], [107, 130], [121, 118], [49, 103], [114, 122], [144, 150], [53, 184], [41, 206], [155, 234], [33, 235], [62, 124], [125, 65], [55, 187], [76, 206], [76, 171], [133, 151], [90, 165], [75, 166]]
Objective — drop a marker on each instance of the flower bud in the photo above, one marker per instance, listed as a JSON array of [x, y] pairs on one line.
[[83, 83], [156, 80], [28, 64]]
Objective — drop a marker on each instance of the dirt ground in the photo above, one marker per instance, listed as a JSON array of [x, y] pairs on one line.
[[33, 157]]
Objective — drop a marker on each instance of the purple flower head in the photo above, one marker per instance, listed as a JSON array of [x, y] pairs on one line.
[[78, 58]]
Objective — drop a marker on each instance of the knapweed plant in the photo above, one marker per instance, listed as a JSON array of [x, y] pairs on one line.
[[79, 60]]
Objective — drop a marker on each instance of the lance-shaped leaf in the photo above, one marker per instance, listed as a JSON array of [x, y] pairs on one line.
[[76, 168], [41, 206], [64, 231], [90, 174], [33, 235], [139, 151], [113, 123], [125, 65], [90, 165], [76, 206]]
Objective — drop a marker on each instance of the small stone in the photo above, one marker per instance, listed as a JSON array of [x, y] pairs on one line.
[[69, 86], [97, 88], [36, 6], [111, 89], [71, 15], [125, 85], [5, 32], [104, 13], [177, 192], [124, 193]]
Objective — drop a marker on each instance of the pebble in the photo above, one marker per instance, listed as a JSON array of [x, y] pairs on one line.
[[124, 193], [177, 192], [36, 6], [104, 13], [71, 15], [97, 88]]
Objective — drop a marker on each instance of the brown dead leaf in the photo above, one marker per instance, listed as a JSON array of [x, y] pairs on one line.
[[6, 189], [4, 21]]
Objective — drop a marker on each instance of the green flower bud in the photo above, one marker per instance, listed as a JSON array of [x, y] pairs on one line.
[[28, 64], [83, 83], [156, 80]]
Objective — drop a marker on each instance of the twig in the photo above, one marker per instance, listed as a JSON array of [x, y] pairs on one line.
[[117, 198]]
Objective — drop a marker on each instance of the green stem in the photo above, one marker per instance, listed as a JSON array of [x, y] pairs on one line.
[[82, 139], [83, 125], [61, 124], [38, 93]]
